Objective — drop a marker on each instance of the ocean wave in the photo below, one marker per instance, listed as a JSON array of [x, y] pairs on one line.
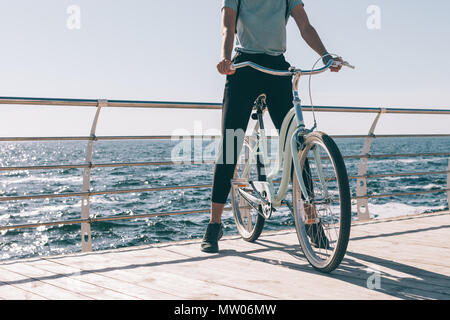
[[395, 209], [414, 160], [46, 209], [430, 186], [66, 238], [45, 179]]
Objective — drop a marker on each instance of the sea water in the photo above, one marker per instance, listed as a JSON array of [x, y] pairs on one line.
[[21, 243]]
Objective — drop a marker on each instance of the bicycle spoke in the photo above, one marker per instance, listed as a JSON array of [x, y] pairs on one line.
[[245, 200]]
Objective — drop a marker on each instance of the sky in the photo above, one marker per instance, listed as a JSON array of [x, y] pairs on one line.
[[162, 50]]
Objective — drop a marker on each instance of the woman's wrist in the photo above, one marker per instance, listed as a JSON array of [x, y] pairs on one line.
[[326, 57]]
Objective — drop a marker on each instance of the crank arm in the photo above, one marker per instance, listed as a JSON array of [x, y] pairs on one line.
[[250, 199], [259, 194], [262, 198]]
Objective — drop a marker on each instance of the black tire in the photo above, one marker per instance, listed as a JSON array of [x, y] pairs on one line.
[[306, 232], [258, 224]]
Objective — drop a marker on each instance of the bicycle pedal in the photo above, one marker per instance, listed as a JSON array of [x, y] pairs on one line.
[[312, 221], [310, 214], [240, 183]]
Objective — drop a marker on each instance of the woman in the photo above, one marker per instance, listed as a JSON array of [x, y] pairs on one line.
[[260, 27]]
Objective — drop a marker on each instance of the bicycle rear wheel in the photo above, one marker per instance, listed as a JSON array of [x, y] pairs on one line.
[[323, 224], [249, 221]]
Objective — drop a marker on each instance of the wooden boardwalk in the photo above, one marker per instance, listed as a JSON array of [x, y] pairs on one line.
[[411, 255]]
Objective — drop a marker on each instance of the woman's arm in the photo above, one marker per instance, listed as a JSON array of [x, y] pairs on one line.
[[309, 34], [228, 31]]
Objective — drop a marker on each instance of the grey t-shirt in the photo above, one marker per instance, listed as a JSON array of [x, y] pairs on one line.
[[261, 25]]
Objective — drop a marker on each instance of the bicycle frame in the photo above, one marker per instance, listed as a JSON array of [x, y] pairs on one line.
[[291, 138], [323, 234], [286, 134]]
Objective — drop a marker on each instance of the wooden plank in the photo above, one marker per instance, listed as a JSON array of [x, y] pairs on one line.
[[381, 253], [356, 265], [188, 267], [411, 254], [61, 286], [276, 280], [154, 271], [323, 283], [400, 248], [381, 248], [425, 286], [34, 286], [12, 292], [88, 275]]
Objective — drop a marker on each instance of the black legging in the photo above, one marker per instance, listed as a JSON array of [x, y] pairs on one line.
[[241, 90]]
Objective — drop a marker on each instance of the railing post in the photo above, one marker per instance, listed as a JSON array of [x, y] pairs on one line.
[[362, 204], [86, 240]]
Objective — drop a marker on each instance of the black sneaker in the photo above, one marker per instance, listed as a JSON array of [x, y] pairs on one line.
[[317, 235], [213, 233]]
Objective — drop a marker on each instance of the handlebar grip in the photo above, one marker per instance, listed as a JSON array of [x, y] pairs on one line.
[[343, 63], [348, 65]]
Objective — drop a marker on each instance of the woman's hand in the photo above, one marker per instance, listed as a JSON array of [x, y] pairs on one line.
[[336, 69], [224, 67]]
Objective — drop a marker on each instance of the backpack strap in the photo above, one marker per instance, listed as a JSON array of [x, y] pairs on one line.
[[287, 10], [237, 14]]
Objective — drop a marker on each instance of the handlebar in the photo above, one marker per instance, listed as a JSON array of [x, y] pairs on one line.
[[292, 70]]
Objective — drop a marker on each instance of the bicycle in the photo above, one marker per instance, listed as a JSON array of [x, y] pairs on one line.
[[320, 204]]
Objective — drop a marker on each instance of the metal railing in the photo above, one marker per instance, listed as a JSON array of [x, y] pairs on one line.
[[86, 219]]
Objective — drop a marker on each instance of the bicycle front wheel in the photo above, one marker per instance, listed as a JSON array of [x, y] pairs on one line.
[[323, 222]]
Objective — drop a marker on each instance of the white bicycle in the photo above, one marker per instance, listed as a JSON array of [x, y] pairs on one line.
[[320, 201]]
